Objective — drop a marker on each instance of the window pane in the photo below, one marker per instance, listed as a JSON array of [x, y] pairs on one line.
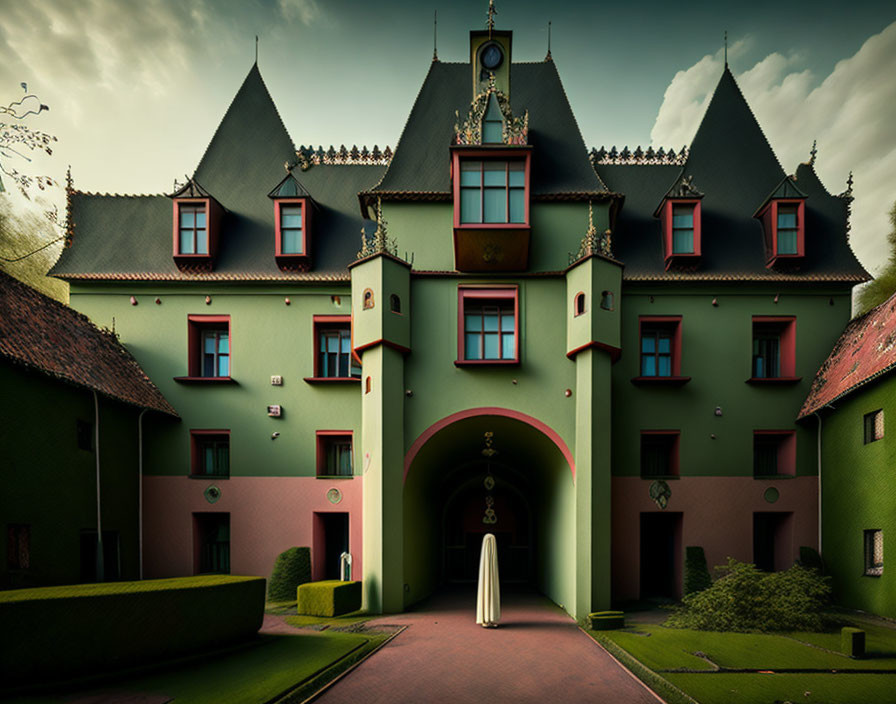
[[187, 218], [223, 342], [683, 218], [470, 173], [343, 365], [473, 322], [492, 132], [471, 346], [186, 242], [490, 319], [787, 241], [290, 216], [491, 346], [507, 322], [200, 218], [648, 366], [208, 459], [517, 174], [223, 458], [223, 366], [495, 205], [201, 242], [495, 173], [786, 218], [470, 205], [665, 366], [682, 242], [291, 241], [346, 343], [517, 205], [508, 348], [208, 365], [648, 343], [332, 343], [664, 345], [210, 341]]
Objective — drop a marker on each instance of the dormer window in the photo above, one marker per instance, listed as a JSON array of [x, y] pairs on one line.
[[292, 223], [679, 214], [783, 222], [683, 228], [197, 221]]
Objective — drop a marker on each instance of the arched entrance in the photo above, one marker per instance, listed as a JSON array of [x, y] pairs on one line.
[[489, 470]]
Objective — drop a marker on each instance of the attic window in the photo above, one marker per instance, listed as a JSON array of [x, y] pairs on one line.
[[292, 219], [493, 123], [193, 228], [197, 221], [787, 229], [680, 220], [783, 217], [292, 238]]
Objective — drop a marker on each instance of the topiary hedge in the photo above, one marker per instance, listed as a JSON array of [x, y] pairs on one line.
[[607, 620], [329, 598], [291, 568], [78, 630], [746, 599], [696, 573]]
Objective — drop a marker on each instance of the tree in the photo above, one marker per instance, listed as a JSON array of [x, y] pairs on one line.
[[884, 285], [15, 139]]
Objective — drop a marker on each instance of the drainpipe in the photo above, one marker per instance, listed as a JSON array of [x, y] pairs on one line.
[[100, 576], [140, 491], [818, 415]]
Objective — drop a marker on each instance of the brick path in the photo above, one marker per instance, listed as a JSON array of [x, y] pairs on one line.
[[536, 655]]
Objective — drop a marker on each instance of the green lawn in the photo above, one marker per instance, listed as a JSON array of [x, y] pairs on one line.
[[257, 673], [722, 688]]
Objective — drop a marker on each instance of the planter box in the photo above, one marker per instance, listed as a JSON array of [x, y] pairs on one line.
[[328, 598]]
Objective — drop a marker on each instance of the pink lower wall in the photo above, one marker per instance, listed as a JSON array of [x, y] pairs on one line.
[[717, 514], [267, 516]]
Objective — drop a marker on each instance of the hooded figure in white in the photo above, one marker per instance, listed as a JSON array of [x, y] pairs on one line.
[[488, 596]]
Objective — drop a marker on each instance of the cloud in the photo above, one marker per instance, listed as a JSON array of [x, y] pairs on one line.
[[306, 11], [849, 112]]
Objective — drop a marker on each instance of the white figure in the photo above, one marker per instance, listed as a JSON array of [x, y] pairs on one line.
[[488, 596]]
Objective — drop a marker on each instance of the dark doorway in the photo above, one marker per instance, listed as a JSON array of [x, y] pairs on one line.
[[111, 556], [335, 530], [660, 555], [211, 543], [771, 541]]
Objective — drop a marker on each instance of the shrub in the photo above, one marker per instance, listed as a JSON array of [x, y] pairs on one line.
[[747, 599], [696, 573], [810, 559], [291, 568], [607, 620], [328, 598]]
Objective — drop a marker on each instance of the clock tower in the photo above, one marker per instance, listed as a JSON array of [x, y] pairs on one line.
[[490, 53]]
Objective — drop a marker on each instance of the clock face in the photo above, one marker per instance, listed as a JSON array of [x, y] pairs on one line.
[[491, 57]]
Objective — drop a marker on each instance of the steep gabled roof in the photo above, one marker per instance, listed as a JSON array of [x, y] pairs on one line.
[[289, 187], [736, 169], [560, 164], [865, 351], [48, 337], [786, 189]]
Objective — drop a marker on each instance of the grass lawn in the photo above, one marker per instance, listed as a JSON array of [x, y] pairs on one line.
[[668, 651], [257, 673]]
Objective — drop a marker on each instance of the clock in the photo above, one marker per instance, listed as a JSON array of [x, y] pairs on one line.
[[491, 57]]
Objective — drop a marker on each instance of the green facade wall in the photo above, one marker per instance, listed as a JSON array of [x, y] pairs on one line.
[[858, 494], [50, 484]]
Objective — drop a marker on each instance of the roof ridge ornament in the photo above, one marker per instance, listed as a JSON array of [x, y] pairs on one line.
[[684, 188], [515, 130], [490, 25], [549, 57], [651, 157], [813, 152], [379, 242], [593, 242]]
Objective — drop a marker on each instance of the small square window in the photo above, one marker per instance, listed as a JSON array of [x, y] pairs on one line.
[[774, 348], [333, 358], [84, 434], [192, 228], [18, 546], [334, 454], [210, 453], [209, 338], [660, 348], [874, 426], [874, 553], [659, 453], [488, 325], [774, 453]]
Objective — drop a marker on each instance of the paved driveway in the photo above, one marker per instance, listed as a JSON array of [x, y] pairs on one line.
[[536, 655]]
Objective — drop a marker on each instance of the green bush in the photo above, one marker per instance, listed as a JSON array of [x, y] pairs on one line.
[[810, 559], [328, 598], [746, 599], [291, 568], [607, 620], [78, 630], [696, 573], [852, 642]]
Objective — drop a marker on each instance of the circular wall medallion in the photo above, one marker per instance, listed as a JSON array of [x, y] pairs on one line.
[[334, 496], [771, 494], [491, 57], [212, 494]]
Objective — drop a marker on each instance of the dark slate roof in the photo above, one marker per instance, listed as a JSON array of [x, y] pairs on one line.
[[560, 162], [243, 164], [732, 163], [49, 337], [865, 351]]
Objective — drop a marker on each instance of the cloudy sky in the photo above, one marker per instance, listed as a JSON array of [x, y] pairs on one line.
[[136, 89]]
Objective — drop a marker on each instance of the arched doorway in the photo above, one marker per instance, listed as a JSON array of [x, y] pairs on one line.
[[495, 459]]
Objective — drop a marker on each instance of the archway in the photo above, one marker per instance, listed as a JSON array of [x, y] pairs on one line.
[[481, 459]]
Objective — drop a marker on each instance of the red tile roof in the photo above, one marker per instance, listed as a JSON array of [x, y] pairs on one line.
[[865, 351], [48, 336]]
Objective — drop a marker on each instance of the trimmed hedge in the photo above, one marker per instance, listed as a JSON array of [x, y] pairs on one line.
[[292, 568], [607, 620], [810, 559], [696, 573], [328, 598], [79, 630], [852, 642]]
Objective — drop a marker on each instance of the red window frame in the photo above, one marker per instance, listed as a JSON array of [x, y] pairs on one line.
[[666, 219], [672, 322], [785, 441], [579, 304], [278, 227], [197, 437], [329, 322], [479, 294], [197, 324], [324, 438], [785, 325], [769, 217], [212, 225], [505, 155], [671, 438]]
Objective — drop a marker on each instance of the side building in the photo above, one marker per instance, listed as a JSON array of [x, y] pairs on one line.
[[598, 358], [851, 399], [72, 404]]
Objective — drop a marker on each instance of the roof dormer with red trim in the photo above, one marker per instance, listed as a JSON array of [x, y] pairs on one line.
[[680, 222], [196, 227], [293, 208], [783, 217]]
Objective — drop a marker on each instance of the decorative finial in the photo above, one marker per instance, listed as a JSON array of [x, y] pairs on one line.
[[813, 152], [593, 242], [435, 26], [548, 57], [256, 48], [849, 184], [491, 17], [726, 48]]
